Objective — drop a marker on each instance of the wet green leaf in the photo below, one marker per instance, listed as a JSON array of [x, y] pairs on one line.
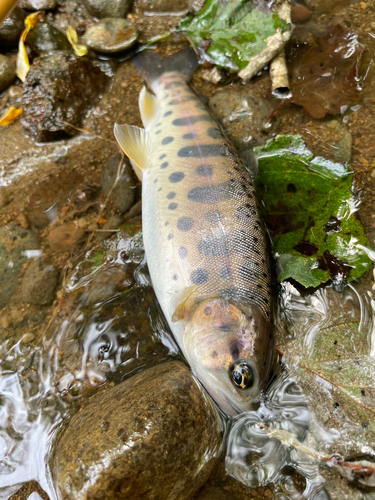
[[309, 208], [235, 31]]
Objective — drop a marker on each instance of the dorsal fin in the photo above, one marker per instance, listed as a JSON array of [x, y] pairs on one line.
[[136, 144]]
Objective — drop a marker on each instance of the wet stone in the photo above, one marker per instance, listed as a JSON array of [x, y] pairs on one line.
[[215, 493], [36, 5], [45, 37], [135, 440], [7, 72], [165, 7], [39, 283], [12, 28], [14, 242], [111, 35], [124, 191], [242, 116], [108, 228], [59, 87], [329, 139], [108, 8], [65, 238]]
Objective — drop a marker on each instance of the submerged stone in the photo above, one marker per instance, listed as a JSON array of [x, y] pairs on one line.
[[38, 4], [7, 72], [11, 29], [45, 37], [154, 436], [111, 35], [39, 283], [123, 192], [108, 8]]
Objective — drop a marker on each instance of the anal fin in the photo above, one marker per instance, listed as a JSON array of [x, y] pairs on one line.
[[136, 144]]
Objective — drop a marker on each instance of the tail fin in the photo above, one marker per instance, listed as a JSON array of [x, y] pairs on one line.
[[152, 65]]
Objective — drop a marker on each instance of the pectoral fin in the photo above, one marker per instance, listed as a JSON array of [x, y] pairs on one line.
[[136, 144], [147, 106]]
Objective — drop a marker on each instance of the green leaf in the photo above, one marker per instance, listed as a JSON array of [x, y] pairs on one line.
[[235, 31], [309, 209]]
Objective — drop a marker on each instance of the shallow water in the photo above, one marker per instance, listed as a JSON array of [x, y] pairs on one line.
[[105, 325]]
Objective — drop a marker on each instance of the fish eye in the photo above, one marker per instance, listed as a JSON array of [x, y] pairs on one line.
[[242, 374]]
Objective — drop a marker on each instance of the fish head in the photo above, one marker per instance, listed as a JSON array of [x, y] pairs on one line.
[[230, 351]]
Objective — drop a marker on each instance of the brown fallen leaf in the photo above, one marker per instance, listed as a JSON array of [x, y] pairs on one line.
[[9, 116], [324, 72]]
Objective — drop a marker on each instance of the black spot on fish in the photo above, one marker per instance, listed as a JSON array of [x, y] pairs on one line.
[[216, 193], [224, 244], [157, 132], [176, 177], [243, 213], [182, 252], [159, 190], [166, 223], [185, 98], [168, 113], [164, 165], [203, 151], [173, 85], [204, 170], [189, 120], [225, 272], [167, 140], [215, 133], [199, 276], [170, 236], [189, 136], [185, 223], [158, 125], [248, 272], [155, 181], [175, 277], [162, 157], [214, 216], [172, 206], [171, 195]]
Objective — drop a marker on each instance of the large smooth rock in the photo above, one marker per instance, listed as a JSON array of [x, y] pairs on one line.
[[111, 35], [45, 37], [12, 28], [153, 436], [7, 72], [108, 8], [59, 88]]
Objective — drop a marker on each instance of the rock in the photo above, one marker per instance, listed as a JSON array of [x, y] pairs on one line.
[[111, 35], [14, 242], [165, 7], [215, 493], [38, 284], [59, 87], [50, 195], [112, 223], [153, 436], [45, 37], [65, 238], [330, 140], [7, 72], [108, 8], [123, 193], [299, 13], [12, 28], [27, 338], [242, 116], [38, 4]]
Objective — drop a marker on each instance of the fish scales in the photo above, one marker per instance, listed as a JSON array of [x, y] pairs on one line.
[[204, 241]]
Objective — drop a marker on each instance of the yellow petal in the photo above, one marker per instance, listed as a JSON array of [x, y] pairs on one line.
[[23, 64], [9, 116], [80, 50]]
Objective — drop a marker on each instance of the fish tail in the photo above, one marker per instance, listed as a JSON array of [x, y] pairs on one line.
[[152, 65]]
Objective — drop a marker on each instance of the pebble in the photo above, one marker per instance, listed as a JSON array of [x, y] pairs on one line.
[[123, 193], [38, 4], [39, 283], [6, 320], [165, 7], [22, 221], [49, 195], [14, 242], [135, 440], [59, 87], [7, 72], [12, 28], [242, 116], [111, 35], [108, 8], [65, 238], [299, 13], [27, 338], [112, 223], [4, 196], [45, 37]]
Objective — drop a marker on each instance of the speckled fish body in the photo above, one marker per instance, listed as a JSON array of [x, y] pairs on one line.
[[205, 245]]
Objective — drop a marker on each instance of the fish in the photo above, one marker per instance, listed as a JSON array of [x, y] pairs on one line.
[[204, 240]]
